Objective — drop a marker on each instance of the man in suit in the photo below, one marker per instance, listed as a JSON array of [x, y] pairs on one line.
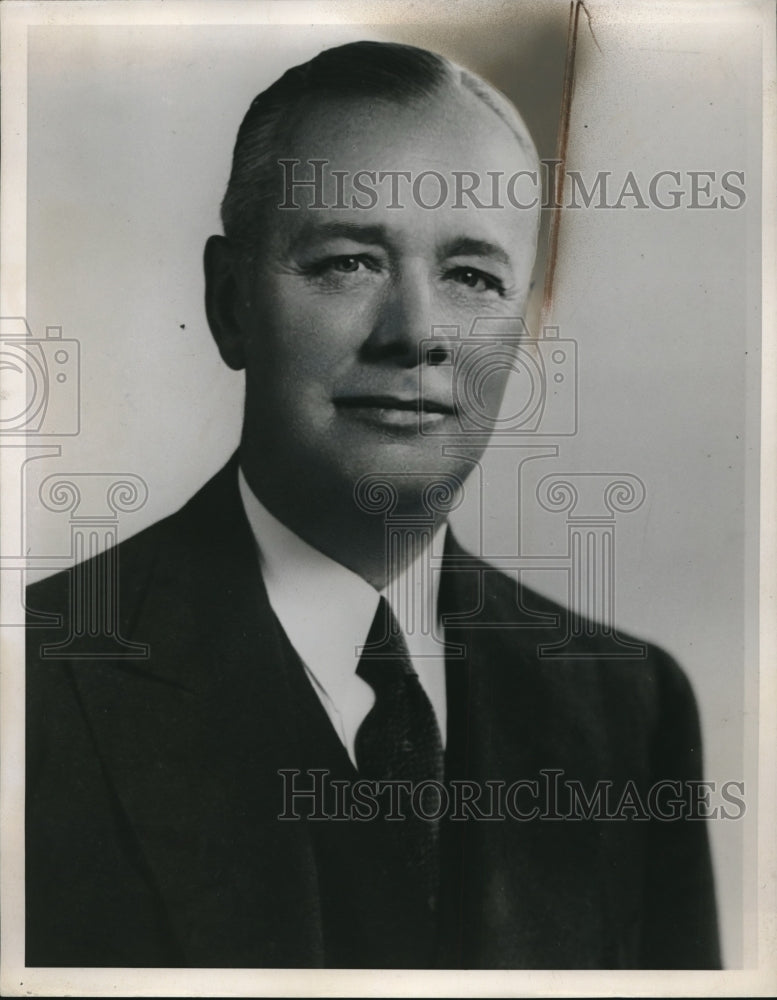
[[270, 785]]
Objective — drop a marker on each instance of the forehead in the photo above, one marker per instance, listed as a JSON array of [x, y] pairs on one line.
[[452, 128], [409, 157]]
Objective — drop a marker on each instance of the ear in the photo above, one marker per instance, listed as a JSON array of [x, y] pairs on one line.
[[222, 302]]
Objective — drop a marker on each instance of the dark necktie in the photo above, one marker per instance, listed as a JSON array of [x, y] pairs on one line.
[[399, 740]]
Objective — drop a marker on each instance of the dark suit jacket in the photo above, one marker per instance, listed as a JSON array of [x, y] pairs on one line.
[[153, 789]]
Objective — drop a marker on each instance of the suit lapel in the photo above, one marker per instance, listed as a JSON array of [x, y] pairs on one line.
[[203, 730]]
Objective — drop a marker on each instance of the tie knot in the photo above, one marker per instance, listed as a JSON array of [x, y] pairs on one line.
[[385, 657]]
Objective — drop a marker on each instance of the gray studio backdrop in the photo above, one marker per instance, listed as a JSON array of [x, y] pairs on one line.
[[129, 145]]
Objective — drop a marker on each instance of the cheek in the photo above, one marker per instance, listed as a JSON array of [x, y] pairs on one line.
[[303, 333], [494, 390], [480, 379]]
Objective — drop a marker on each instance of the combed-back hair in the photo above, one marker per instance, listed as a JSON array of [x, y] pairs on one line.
[[384, 71]]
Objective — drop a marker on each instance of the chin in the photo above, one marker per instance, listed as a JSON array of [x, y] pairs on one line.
[[402, 481]]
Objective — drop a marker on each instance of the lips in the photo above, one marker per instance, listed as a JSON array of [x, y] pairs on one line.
[[403, 415], [387, 402]]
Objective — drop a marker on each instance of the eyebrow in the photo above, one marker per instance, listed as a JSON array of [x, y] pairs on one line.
[[373, 234], [463, 246]]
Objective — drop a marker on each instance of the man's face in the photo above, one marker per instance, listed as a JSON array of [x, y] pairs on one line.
[[333, 312]]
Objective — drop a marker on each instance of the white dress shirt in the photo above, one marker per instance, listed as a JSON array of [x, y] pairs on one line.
[[327, 610]]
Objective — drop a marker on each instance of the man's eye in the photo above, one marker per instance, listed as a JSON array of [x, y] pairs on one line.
[[477, 280], [344, 264]]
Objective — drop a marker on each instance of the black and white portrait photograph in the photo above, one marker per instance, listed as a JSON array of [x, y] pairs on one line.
[[388, 498]]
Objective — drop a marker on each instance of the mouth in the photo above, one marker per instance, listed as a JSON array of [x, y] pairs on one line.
[[394, 411]]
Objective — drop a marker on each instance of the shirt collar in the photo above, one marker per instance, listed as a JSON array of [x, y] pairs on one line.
[[326, 609]]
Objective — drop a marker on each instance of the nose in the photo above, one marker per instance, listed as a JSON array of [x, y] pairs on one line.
[[403, 320]]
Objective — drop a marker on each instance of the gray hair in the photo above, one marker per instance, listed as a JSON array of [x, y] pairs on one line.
[[379, 70]]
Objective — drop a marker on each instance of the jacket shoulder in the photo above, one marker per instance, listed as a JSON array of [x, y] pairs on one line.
[[173, 540], [130, 560], [635, 676]]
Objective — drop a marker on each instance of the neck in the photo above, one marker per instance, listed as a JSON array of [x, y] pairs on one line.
[[367, 542]]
